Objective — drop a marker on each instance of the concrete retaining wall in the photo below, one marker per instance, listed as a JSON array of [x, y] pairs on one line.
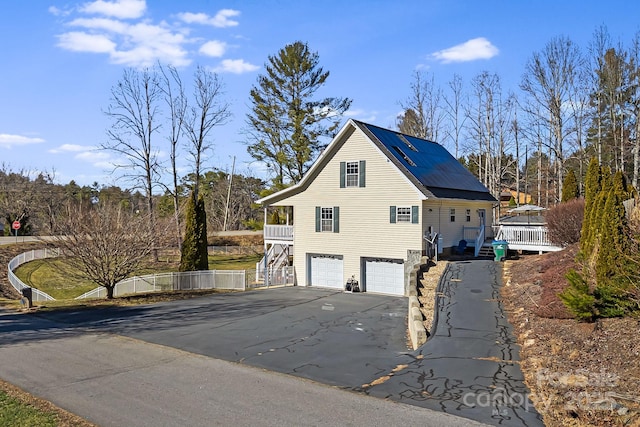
[[417, 331]]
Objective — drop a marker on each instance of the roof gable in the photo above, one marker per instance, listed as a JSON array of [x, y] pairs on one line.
[[431, 169]]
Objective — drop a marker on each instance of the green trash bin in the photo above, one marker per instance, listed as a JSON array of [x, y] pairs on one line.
[[500, 248]]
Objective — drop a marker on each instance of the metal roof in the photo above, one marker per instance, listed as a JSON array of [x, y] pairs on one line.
[[429, 164]]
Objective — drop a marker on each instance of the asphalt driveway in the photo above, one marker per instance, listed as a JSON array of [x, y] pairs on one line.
[[333, 337], [353, 341]]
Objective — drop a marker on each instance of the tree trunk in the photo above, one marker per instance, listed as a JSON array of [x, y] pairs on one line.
[[110, 290]]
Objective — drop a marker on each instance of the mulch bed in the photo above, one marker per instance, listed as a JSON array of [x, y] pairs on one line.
[[580, 374]]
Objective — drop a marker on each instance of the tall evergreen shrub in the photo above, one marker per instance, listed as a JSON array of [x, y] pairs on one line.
[[194, 254], [570, 188]]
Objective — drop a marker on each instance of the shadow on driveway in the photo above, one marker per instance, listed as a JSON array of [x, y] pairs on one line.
[[358, 341]]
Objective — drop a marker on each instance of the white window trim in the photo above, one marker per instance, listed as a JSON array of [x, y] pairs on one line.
[[355, 174], [404, 217], [452, 214], [324, 220]]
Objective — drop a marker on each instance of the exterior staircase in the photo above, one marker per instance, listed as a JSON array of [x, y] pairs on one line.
[[486, 251]]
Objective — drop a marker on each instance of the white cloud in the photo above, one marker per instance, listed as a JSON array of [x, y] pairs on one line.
[[55, 11], [471, 50], [83, 42], [220, 20], [9, 140], [116, 29], [121, 9], [97, 158], [150, 44], [235, 66], [145, 43], [70, 148], [213, 48], [107, 24], [362, 115]]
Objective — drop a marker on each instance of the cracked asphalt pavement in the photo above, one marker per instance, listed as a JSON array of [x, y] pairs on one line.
[[356, 342]]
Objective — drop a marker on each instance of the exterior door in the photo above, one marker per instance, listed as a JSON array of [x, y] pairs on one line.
[[482, 214]]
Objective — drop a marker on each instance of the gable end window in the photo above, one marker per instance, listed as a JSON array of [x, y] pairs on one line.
[[352, 174], [328, 219]]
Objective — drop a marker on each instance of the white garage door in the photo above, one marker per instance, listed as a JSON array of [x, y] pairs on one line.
[[326, 270], [384, 276]]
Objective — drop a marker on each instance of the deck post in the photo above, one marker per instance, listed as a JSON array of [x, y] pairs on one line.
[[266, 274]]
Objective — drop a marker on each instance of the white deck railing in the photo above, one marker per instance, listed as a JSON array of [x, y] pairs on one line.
[[278, 232], [526, 237]]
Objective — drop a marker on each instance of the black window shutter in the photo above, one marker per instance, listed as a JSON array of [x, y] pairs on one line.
[[318, 228], [336, 219], [343, 174], [362, 172], [392, 214], [415, 212]]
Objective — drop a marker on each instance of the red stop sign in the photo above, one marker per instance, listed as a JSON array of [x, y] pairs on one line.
[[16, 225]]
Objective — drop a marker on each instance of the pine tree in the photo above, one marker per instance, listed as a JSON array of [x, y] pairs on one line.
[[194, 254], [286, 124], [578, 298], [570, 187]]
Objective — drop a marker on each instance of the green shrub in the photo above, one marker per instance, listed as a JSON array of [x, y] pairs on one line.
[[194, 254], [578, 298]]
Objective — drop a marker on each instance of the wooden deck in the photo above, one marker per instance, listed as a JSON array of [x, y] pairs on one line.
[[526, 238]]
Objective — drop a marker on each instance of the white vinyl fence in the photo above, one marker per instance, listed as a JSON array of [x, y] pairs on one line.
[[183, 281], [37, 295], [190, 280]]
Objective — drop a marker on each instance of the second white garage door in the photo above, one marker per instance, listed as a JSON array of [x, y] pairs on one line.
[[326, 270], [384, 276]]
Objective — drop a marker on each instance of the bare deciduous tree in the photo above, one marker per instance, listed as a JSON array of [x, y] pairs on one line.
[[454, 112], [134, 110], [104, 243], [176, 102], [422, 115], [207, 111], [490, 127], [549, 79]]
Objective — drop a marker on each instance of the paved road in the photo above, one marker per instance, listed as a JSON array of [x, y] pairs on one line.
[[356, 342], [116, 381]]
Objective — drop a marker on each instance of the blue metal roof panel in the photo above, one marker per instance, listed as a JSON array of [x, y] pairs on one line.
[[431, 164]]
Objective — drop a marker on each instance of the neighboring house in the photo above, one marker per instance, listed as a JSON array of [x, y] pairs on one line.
[[508, 194], [366, 206]]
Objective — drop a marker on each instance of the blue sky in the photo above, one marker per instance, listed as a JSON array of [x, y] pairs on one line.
[[61, 58]]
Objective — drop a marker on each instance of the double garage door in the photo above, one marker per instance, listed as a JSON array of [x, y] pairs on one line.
[[380, 275]]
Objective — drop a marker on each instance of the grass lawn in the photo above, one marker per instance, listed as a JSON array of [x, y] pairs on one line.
[[20, 409], [233, 262], [13, 412], [52, 275], [49, 275]]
